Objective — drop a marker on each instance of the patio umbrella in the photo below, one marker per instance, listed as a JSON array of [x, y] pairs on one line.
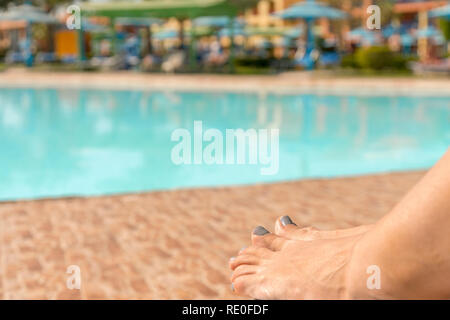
[[407, 42], [166, 34], [310, 10], [442, 12], [428, 32], [294, 32], [407, 39], [138, 22], [390, 30], [30, 14], [92, 27], [236, 31], [218, 22], [431, 33]]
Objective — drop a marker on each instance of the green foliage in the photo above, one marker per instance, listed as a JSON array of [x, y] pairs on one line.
[[42, 3], [3, 52], [244, 3], [445, 27], [349, 61], [4, 3], [253, 62], [378, 58], [387, 11]]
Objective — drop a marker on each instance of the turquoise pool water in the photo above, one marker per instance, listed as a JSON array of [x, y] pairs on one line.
[[93, 142]]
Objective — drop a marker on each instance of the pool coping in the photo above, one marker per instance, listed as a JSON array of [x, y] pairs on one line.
[[287, 83]]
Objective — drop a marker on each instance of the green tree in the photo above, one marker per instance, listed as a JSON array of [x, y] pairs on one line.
[[244, 4], [47, 4], [4, 3], [445, 27]]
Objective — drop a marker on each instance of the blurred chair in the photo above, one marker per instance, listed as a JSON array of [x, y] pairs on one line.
[[13, 57], [45, 57]]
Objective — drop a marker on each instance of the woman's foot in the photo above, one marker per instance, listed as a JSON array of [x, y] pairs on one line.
[[404, 256], [277, 267]]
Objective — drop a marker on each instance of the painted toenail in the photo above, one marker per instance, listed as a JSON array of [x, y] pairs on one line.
[[242, 249], [232, 287], [232, 259], [260, 231], [286, 220]]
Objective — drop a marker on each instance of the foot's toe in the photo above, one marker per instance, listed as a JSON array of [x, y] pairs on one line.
[[244, 270], [263, 238], [244, 284], [260, 252], [244, 259], [285, 227], [253, 286]]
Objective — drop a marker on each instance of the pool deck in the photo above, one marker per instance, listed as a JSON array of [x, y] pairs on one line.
[[171, 244], [292, 82]]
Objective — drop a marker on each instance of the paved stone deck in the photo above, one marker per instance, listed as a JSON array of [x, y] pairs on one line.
[[291, 82], [168, 245]]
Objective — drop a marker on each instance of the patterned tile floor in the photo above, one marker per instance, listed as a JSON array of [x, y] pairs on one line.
[[167, 245]]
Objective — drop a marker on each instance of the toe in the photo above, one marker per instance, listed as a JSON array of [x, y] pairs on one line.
[[243, 259], [263, 238], [251, 285], [241, 285], [243, 270], [260, 252], [286, 228]]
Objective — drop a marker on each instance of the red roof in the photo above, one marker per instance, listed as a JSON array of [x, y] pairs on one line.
[[413, 7]]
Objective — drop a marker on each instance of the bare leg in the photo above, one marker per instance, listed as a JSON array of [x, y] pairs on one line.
[[410, 246]]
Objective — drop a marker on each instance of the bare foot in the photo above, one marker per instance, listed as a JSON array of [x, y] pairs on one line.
[[408, 251], [285, 227], [276, 267]]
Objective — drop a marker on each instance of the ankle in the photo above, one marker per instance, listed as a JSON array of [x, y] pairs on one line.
[[354, 278], [378, 271]]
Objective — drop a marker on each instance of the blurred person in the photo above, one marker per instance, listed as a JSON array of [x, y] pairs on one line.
[[132, 51], [105, 48], [410, 246], [216, 57], [395, 43]]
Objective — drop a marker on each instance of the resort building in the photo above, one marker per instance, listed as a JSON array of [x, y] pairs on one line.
[[261, 15]]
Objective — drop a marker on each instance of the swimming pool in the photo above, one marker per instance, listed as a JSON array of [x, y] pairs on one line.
[[58, 142]]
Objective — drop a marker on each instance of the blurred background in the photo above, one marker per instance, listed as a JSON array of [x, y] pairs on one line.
[[238, 36]]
